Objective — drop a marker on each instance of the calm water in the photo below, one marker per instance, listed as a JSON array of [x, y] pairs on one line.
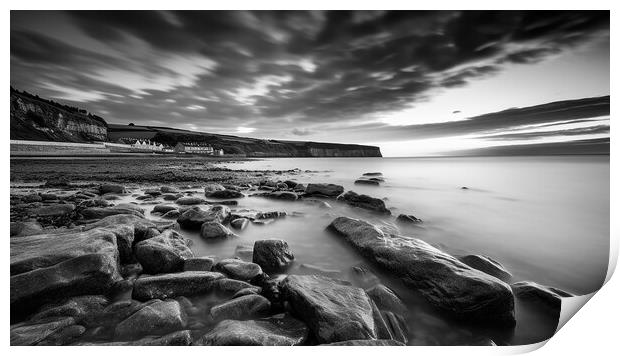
[[545, 218]]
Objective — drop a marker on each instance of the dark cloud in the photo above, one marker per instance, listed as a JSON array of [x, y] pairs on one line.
[[267, 69], [301, 132], [592, 130], [595, 146]]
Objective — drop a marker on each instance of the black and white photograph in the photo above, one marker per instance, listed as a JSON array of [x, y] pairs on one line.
[[282, 177]]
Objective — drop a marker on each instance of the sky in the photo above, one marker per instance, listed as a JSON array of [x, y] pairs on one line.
[[367, 77]]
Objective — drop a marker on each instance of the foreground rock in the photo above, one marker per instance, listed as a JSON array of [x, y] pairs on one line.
[[238, 269], [198, 264], [25, 228], [243, 307], [547, 297], [363, 181], [487, 265], [44, 332], [328, 190], [333, 312], [445, 282], [281, 330], [365, 202], [177, 338], [408, 219], [50, 267], [386, 299], [157, 318], [272, 255], [163, 253], [174, 285], [279, 195], [100, 213], [224, 194], [215, 230], [366, 343]]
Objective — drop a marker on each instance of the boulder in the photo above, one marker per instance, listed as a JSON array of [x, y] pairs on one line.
[[329, 190], [280, 330], [365, 202], [140, 224], [215, 230], [111, 188], [408, 219], [386, 299], [153, 192], [488, 266], [194, 217], [34, 333], [167, 189], [171, 196], [239, 223], [224, 194], [272, 255], [53, 210], [84, 309], [93, 273], [333, 311], [100, 213], [213, 187], [444, 281], [177, 338], [279, 195], [164, 253], [163, 208], [157, 318], [226, 287], [25, 228], [244, 307], [366, 182], [189, 201], [198, 264], [238, 269], [366, 343], [173, 285], [547, 297]]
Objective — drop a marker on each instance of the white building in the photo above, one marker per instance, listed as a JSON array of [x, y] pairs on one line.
[[148, 145]]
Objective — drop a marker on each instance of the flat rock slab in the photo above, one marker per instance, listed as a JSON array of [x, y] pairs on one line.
[[333, 312], [243, 307], [488, 266], [329, 190], [364, 202], [159, 317], [173, 285], [444, 281], [238, 269], [27, 334], [280, 330], [548, 297]]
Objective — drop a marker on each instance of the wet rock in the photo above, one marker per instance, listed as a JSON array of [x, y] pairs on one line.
[[194, 217], [227, 287], [172, 215], [366, 182], [444, 281], [177, 338], [365, 202], [167, 189], [33, 333], [395, 326], [213, 187], [243, 292], [279, 195], [111, 188], [171, 197], [329, 190], [189, 201], [83, 309], [290, 184], [272, 255], [198, 264], [245, 307], [239, 224], [271, 215], [408, 219], [366, 343], [25, 228], [280, 330], [386, 299], [547, 297], [53, 210], [31, 198], [140, 224], [63, 336], [372, 174], [224, 194], [173, 285], [94, 203], [163, 208], [131, 271], [215, 230], [487, 265], [153, 192], [160, 317], [299, 188], [100, 213], [281, 185], [163, 253], [93, 273], [311, 269], [333, 312], [110, 196], [238, 269]]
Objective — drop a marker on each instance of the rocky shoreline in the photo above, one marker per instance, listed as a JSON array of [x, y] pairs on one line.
[[88, 271]]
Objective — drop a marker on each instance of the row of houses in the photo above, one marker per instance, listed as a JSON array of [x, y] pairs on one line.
[[181, 147]]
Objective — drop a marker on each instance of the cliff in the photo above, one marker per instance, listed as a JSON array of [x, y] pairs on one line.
[[34, 118], [250, 147]]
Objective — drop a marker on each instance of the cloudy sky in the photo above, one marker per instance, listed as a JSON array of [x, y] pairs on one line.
[[414, 83]]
